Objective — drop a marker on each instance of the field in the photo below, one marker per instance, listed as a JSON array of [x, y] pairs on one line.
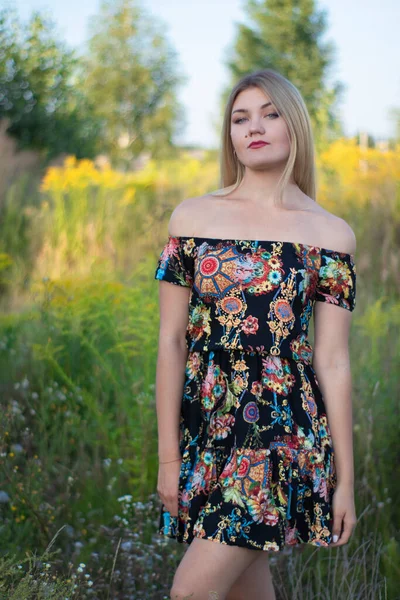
[[78, 342]]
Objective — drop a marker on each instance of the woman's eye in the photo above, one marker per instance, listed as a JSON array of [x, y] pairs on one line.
[[268, 115]]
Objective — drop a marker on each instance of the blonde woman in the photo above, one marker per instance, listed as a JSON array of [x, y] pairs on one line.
[[254, 422]]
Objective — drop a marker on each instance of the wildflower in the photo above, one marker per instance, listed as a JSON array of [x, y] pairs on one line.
[[4, 497]]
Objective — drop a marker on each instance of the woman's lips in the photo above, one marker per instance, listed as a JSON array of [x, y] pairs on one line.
[[258, 144]]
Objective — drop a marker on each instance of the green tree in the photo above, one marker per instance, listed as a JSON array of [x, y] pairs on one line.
[[38, 97], [286, 35], [131, 79]]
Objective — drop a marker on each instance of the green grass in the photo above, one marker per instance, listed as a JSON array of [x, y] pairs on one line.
[[78, 453]]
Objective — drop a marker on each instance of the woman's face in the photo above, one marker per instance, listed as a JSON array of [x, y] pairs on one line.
[[258, 120]]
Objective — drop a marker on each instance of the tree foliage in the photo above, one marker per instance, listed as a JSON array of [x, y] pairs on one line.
[[287, 36], [38, 97], [131, 78]]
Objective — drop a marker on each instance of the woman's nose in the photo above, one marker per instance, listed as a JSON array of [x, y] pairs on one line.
[[256, 126]]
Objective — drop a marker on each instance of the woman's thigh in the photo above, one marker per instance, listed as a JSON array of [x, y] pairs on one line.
[[255, 581], [208, 570]]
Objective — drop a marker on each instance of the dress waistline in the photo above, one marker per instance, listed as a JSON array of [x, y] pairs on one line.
[[252, 352]]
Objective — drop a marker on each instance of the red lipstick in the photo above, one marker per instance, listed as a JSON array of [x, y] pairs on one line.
[[258, 144]]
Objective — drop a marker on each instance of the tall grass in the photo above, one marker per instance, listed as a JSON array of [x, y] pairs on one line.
[[78, 343]]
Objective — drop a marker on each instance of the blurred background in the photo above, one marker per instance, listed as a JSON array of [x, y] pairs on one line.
[[110, 115]]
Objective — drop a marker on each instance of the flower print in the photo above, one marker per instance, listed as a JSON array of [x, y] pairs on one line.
[[185, 498], [323, 489], [173, 265], [213, 386], [198, 529], [289, 378], [243, 466], [276, 375], [274, 262], [262, 508], [309, 255], [309, 462], [189, 246], [221, 426], [218, 390], [234, 495], [274, 464], [301, 348], [199, 322], [208, 382], [230, 466], [273, 365], [208, 403], [208, 457], [250, 325], [203, 474], [324, 432], [337, 275], [307, 284], [311, 405], [198, 477], [193, 364], [245, 271], [285, 453], [256, 388], [251, 413], [236, 386], [290, 536], [337, 279], [240, 382], [261, 280], [171, 248], [274, 277]]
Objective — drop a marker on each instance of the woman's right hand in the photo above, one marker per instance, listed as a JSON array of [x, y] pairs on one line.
[[168, 485]]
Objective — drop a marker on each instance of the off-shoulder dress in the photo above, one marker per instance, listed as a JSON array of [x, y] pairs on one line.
[[258, 464]]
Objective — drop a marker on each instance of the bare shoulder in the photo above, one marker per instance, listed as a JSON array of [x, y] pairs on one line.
[[186, 213], [337, 233]]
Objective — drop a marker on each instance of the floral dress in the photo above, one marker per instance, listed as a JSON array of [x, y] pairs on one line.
[[257, 456]]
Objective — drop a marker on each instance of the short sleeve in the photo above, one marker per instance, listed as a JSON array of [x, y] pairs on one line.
[[337, 279], [175, 263]]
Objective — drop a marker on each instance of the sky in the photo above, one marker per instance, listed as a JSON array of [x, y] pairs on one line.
[[364, 32]]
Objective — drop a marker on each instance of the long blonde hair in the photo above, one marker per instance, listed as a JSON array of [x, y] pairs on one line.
[[291, 106]]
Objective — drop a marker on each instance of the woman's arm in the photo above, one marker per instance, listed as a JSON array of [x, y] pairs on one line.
[[171, 361], [331, 362]]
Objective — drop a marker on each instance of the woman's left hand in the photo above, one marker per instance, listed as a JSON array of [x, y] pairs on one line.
[[344, 514]]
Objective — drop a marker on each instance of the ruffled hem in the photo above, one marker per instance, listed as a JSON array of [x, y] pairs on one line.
[[260, 498]]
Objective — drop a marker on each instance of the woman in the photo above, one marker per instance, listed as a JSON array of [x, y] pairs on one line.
[[255, 424]]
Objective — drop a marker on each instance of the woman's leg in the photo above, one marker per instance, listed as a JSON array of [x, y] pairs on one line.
[[255, 582], [208, 570]]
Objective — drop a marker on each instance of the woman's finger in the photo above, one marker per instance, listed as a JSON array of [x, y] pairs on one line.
[[337, 528], [348, 526]]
